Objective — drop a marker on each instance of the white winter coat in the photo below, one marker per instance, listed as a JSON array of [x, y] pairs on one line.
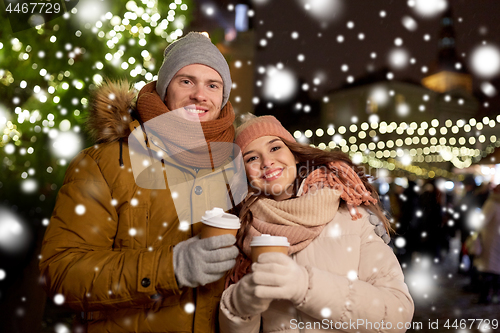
[[489, 259], [355, 285]]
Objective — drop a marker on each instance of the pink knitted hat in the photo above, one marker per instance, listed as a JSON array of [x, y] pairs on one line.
[[258, 127]]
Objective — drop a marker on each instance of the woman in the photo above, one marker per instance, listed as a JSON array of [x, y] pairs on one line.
[[339, 275], [488, 261]]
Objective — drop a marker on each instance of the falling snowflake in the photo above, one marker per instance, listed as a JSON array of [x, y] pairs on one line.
[[326, 312], [58, 299], [189, 308], [485, 61], [80, 209]]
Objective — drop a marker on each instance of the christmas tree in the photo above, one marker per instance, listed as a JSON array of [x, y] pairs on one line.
[[47, 74]]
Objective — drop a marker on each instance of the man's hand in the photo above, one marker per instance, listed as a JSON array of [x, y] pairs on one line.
[[278, 276], [202, 261]]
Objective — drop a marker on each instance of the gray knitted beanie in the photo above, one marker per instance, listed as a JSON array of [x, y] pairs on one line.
[[194, 48]]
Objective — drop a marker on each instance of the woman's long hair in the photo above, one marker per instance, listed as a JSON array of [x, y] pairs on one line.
[[310, 159]]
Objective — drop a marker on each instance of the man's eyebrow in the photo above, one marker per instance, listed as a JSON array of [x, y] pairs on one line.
[[191, 77], [216, 81], [270, 142]]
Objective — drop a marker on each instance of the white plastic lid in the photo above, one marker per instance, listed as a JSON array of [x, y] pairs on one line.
[[268, 240], [217, 218]]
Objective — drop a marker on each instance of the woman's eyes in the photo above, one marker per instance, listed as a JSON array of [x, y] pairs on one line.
[[253, 158]]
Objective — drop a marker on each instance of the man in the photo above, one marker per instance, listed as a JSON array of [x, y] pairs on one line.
[[115, 248]]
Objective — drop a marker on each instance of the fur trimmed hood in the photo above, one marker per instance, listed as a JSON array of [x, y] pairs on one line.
[[110, 114]]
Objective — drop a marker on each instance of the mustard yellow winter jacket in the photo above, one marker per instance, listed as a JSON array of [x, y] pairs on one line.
[[108, 249]]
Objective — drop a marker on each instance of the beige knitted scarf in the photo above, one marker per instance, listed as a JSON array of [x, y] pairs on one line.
[[182, 137], [299, 219]]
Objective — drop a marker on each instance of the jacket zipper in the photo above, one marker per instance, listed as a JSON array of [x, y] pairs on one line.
[[195, 296], [297, 314]]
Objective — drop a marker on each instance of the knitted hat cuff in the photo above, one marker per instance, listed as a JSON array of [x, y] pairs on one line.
[[259, 127]]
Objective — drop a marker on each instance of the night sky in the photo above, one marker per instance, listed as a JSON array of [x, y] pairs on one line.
[[475, 22]]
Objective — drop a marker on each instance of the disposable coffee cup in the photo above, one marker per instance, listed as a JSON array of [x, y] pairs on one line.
[[216, 222], [267, 243]]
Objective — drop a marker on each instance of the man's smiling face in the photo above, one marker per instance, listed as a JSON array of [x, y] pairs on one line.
[[197, 85]]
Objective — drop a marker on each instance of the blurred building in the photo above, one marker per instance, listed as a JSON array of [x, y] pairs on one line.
[[425, 128]]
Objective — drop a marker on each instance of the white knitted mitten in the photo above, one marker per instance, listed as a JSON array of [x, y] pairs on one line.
[[243, 298], [278, 276]]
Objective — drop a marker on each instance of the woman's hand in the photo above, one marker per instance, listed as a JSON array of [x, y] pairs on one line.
[[278, 276], [244, 299]]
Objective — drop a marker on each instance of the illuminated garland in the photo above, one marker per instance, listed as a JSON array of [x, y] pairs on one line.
[[442, 149]]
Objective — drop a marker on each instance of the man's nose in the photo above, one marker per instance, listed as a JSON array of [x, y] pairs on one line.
[[198, 93]]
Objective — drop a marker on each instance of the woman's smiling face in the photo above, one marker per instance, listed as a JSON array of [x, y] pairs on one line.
[[270, 167]]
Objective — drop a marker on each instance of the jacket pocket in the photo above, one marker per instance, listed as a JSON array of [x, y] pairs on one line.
[[133, 226], [139, 226]]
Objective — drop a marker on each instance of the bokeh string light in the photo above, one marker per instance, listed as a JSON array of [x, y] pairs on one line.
[[431, 142]]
